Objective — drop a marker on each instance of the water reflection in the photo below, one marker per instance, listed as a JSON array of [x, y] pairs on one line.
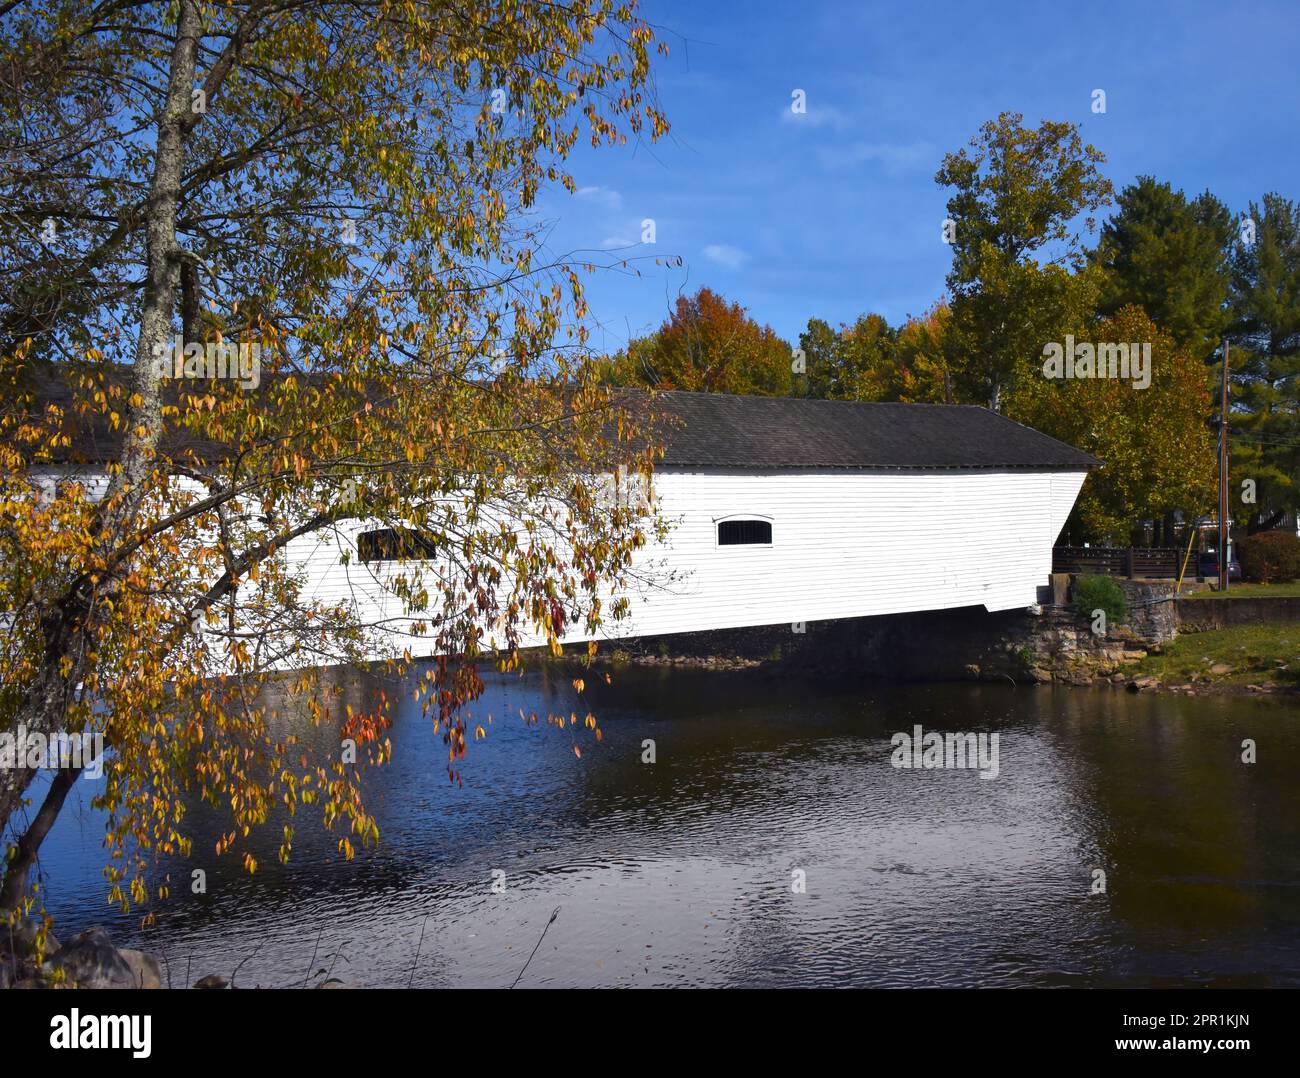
[[680, 872]]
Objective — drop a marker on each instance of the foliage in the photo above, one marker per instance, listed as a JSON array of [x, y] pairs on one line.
[[854, 363], [922, 360], [346, 186], [871, 361], [1018, 191], [1265, 361], [709, 345], [1168, 256], [1270, 557], [1155, 444], [1093, 592]]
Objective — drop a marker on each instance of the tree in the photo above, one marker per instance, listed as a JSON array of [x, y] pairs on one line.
[[707, 345], [1017, 194], [1265, 362], [923, 364], [1168, 256], [1155, 443], [341, 185], [855, 363], [871, 361]]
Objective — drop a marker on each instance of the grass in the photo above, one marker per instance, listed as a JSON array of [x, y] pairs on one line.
[[1238, 590], [1258, 655]]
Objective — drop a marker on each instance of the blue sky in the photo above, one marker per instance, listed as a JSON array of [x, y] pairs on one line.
[[836, 212]]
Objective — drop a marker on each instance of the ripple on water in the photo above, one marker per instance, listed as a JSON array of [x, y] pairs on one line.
[[684, 872]]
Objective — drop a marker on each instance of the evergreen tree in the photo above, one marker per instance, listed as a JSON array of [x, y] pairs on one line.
[[1168, 256], [1265, 422]]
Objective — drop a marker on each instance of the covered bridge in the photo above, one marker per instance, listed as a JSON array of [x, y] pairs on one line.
[[796, 510], [785, 511]]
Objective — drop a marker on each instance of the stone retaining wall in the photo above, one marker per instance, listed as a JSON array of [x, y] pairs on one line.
[[1203, 615], [1049, 643]]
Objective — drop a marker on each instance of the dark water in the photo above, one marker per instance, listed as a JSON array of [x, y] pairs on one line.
[[680, 872]]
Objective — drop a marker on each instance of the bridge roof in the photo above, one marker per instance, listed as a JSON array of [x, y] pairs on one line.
[[720, 430]]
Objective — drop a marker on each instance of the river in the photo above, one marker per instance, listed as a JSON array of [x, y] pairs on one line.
[[687, 871]]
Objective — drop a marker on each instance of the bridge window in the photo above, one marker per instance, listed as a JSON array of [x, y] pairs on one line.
[[744, 533], [396, 544]]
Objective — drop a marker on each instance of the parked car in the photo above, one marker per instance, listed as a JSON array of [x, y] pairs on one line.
[[1208, 566]]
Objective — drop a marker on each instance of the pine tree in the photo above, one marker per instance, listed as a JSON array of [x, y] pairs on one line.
[[1266, 362], [1168, 256]]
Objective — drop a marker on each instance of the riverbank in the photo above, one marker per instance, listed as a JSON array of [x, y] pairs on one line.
[[1233, 660], [1239, 659], [31, 957], [1042, 643]]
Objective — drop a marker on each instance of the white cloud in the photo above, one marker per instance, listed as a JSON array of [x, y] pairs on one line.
[[895, 157], [818, 115], [725, 255], [602, 196]]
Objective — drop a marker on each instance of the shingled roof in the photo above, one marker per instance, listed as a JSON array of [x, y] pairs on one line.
[[719, 430], [92, 439]]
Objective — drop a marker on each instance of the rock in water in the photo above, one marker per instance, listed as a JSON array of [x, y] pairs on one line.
[[145, 971], [212, 980], [91, 961]]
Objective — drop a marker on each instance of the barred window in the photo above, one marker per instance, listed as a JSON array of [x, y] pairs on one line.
[[396, 544], [744, 532]]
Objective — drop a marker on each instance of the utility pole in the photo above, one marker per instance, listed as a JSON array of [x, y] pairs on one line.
[[1223, 475]]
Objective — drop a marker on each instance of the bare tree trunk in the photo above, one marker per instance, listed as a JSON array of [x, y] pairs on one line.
[[44, 703], [19, 868], [68, 637], [162, 271]]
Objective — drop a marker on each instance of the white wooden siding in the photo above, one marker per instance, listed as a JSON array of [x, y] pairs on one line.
[[844, 544], [852, 544]]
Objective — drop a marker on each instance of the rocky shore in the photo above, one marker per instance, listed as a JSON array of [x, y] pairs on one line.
[[89, 959]]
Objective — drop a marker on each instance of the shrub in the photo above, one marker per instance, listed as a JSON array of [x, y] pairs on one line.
[[1099, 593], [1270, 557]]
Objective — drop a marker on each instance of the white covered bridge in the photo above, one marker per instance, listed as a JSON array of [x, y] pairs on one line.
[[782, 511], [791, 510]]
